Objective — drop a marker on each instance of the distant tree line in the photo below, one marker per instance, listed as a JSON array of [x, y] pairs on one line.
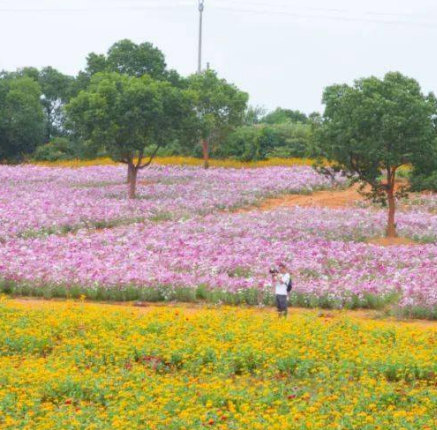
[[49, 116], [128, 105]]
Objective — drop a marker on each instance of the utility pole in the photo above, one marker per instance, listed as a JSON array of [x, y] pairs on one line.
[[201, 8]]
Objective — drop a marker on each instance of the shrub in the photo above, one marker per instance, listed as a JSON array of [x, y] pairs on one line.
[[258, 142], [424, 181], [58, 149]]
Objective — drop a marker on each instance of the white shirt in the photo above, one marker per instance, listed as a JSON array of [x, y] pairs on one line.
[[281, 284]]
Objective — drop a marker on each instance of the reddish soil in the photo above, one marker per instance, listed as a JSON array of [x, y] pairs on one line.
[[329, 199], [392, 241]]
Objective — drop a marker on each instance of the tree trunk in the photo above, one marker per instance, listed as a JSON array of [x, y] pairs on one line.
[[391, 226], [130, 170], [205, 148], [133, 183]]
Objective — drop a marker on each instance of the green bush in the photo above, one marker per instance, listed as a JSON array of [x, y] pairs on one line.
[[57, 150], [424, 181], [245, 144], [261, 141], [291, 140]]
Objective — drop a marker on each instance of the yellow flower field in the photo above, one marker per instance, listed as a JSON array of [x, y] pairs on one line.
[[188, 161], [88, 366]]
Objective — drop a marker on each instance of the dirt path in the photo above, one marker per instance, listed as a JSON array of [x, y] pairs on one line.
[[329, 199], [192, 308]]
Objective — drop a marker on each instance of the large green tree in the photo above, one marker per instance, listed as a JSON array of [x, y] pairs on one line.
[[127, 115], [220, 108], [21, 117], [129, 58], [371, 129], [56, 91]]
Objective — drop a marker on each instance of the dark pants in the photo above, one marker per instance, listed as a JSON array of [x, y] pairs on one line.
[[282, 304]]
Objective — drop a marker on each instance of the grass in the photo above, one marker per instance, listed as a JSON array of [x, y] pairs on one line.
[[63, 230], [204, 294]]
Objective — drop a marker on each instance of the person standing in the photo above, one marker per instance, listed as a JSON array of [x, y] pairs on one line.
[[283, 284]]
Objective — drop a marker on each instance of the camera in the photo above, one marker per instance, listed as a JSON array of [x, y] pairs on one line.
[[273, 271]]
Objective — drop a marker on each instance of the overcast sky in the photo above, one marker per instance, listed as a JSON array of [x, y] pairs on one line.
[[283, 52]]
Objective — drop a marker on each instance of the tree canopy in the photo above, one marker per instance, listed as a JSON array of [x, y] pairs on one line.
[[371, 129], [129, 58], [21, 117], [56, 90], [280, 116], [220, 107], [127, 115]]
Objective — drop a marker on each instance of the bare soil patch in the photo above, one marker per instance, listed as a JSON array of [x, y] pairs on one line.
[[331, 199], [393, 241]]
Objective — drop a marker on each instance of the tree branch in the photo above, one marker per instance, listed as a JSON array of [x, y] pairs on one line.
[[140, 159], [151, 157]]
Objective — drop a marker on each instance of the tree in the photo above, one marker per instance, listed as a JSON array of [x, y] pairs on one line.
[[280, 116], [220, 107], [127, 115], [21, 117], [56, 90], [373, 128], [128, 58], [254, 115]]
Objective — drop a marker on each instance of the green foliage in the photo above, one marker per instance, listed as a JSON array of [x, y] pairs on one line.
[[220, 107], [58, 149], [424, 181], [126, 114], [254, 115], [374, 127], [280, 116], [245, 144], [258, 142], [56, 90], [291, 140], [21, 117], [129, 58], [424, 175]]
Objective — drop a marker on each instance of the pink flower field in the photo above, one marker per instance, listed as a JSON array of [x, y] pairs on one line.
[[182, 240], [37, 200]]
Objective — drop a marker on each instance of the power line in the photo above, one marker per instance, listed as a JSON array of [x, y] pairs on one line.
[[255, 7], [266, 12], [149, 6], [268, 7], [272, 5]]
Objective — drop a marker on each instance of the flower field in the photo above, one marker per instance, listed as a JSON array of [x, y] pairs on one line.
[[37, 200], [71, 231], [66, 366]]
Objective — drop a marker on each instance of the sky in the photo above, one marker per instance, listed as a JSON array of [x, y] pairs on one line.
[[282, 52]]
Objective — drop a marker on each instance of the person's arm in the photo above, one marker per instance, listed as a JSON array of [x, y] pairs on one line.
[[286, 279]]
